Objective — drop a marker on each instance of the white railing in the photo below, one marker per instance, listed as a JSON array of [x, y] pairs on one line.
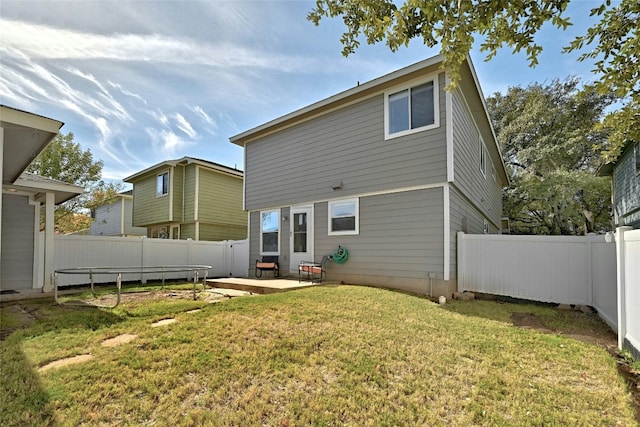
[[227, 258]]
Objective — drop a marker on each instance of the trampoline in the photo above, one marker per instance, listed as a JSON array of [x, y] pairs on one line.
[[117, 272]]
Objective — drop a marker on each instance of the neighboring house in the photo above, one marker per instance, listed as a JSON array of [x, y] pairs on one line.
[[390, 170], [23, 136], [116, 218], [625, 175], [189, 198]]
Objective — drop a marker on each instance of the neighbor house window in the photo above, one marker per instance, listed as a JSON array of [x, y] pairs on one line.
[[160, 232], [637, 158], [412, 109], [162, 184], [270, 232], [343, 217], [483, 158]]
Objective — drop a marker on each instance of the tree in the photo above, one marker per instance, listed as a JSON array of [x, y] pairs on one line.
[[454, 24], [64, 160], [551, 139]]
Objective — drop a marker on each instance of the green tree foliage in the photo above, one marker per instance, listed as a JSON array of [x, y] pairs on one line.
[[454, 24], [64, 160], [551, 140]]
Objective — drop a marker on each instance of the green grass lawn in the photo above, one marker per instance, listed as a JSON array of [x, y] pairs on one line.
[[324, 356]]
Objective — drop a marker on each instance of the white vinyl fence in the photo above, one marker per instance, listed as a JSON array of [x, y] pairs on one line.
[[628, 249], [227, 258], [558, 269]]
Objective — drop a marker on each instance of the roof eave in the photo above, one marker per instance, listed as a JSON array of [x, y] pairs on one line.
[[241, 138]]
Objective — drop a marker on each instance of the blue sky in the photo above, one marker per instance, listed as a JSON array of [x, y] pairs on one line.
[[140, 82]]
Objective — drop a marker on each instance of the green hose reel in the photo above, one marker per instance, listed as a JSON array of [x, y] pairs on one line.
[[340, 256]]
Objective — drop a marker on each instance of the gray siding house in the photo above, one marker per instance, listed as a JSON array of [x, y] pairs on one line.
[[625, 185], [390, 170], [115, 218]]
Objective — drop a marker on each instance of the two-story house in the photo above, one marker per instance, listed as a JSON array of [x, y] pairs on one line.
[[116, 218], [390, 170], [189, 198]]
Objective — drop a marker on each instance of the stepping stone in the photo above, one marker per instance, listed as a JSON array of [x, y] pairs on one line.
[[120, 339], [193, 311], [163, 322], [66, 362]]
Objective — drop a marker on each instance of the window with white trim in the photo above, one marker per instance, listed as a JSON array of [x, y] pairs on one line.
[[270, 232], [162, 184], [483, 158], [343, 217], [412, 109]]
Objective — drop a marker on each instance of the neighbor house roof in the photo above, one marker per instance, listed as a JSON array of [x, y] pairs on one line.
[[185, 161], [40, 185], [607, 168], [25, 136], [468, 84]]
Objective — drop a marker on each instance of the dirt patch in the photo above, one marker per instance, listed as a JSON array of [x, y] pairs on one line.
[[66, 362], [119, 340], [529, 321], [132, 297], [163, 322], [21, 318]]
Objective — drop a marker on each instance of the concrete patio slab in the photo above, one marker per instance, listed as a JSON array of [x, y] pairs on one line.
[[258, 286]]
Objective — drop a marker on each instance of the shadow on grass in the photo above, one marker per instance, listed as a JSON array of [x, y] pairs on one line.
[[25, 401]]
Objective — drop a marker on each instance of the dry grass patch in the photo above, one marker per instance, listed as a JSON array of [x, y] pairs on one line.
[[340, 355]]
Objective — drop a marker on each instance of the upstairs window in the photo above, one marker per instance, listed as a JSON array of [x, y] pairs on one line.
[[162, 184], [343, 217], [412, 109], [483, 158], [270, 232]]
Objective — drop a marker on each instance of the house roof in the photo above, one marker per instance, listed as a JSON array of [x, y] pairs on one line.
[[607, 168], [40, 185], [468, 84], [185, 161], [25, 136]]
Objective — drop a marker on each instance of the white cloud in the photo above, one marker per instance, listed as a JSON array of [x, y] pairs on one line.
[[185, 126]]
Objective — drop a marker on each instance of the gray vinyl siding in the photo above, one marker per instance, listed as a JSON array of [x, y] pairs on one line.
[[465, 217], [485, 193], [626, 182], [108, 220], [18, 225], [301, 164], [401, 235]]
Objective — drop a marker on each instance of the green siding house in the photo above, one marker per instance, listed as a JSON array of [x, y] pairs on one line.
[[189, 198]]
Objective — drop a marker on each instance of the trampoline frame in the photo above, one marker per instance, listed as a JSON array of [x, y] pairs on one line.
[[119, 271]]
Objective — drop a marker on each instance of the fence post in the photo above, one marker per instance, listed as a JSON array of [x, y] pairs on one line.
[[622, 298], [143, 254], [461, 260]]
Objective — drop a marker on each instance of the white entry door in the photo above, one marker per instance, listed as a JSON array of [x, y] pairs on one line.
[[301, 235]]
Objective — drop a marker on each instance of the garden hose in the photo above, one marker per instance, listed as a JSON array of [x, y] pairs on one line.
[[340, 256]]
